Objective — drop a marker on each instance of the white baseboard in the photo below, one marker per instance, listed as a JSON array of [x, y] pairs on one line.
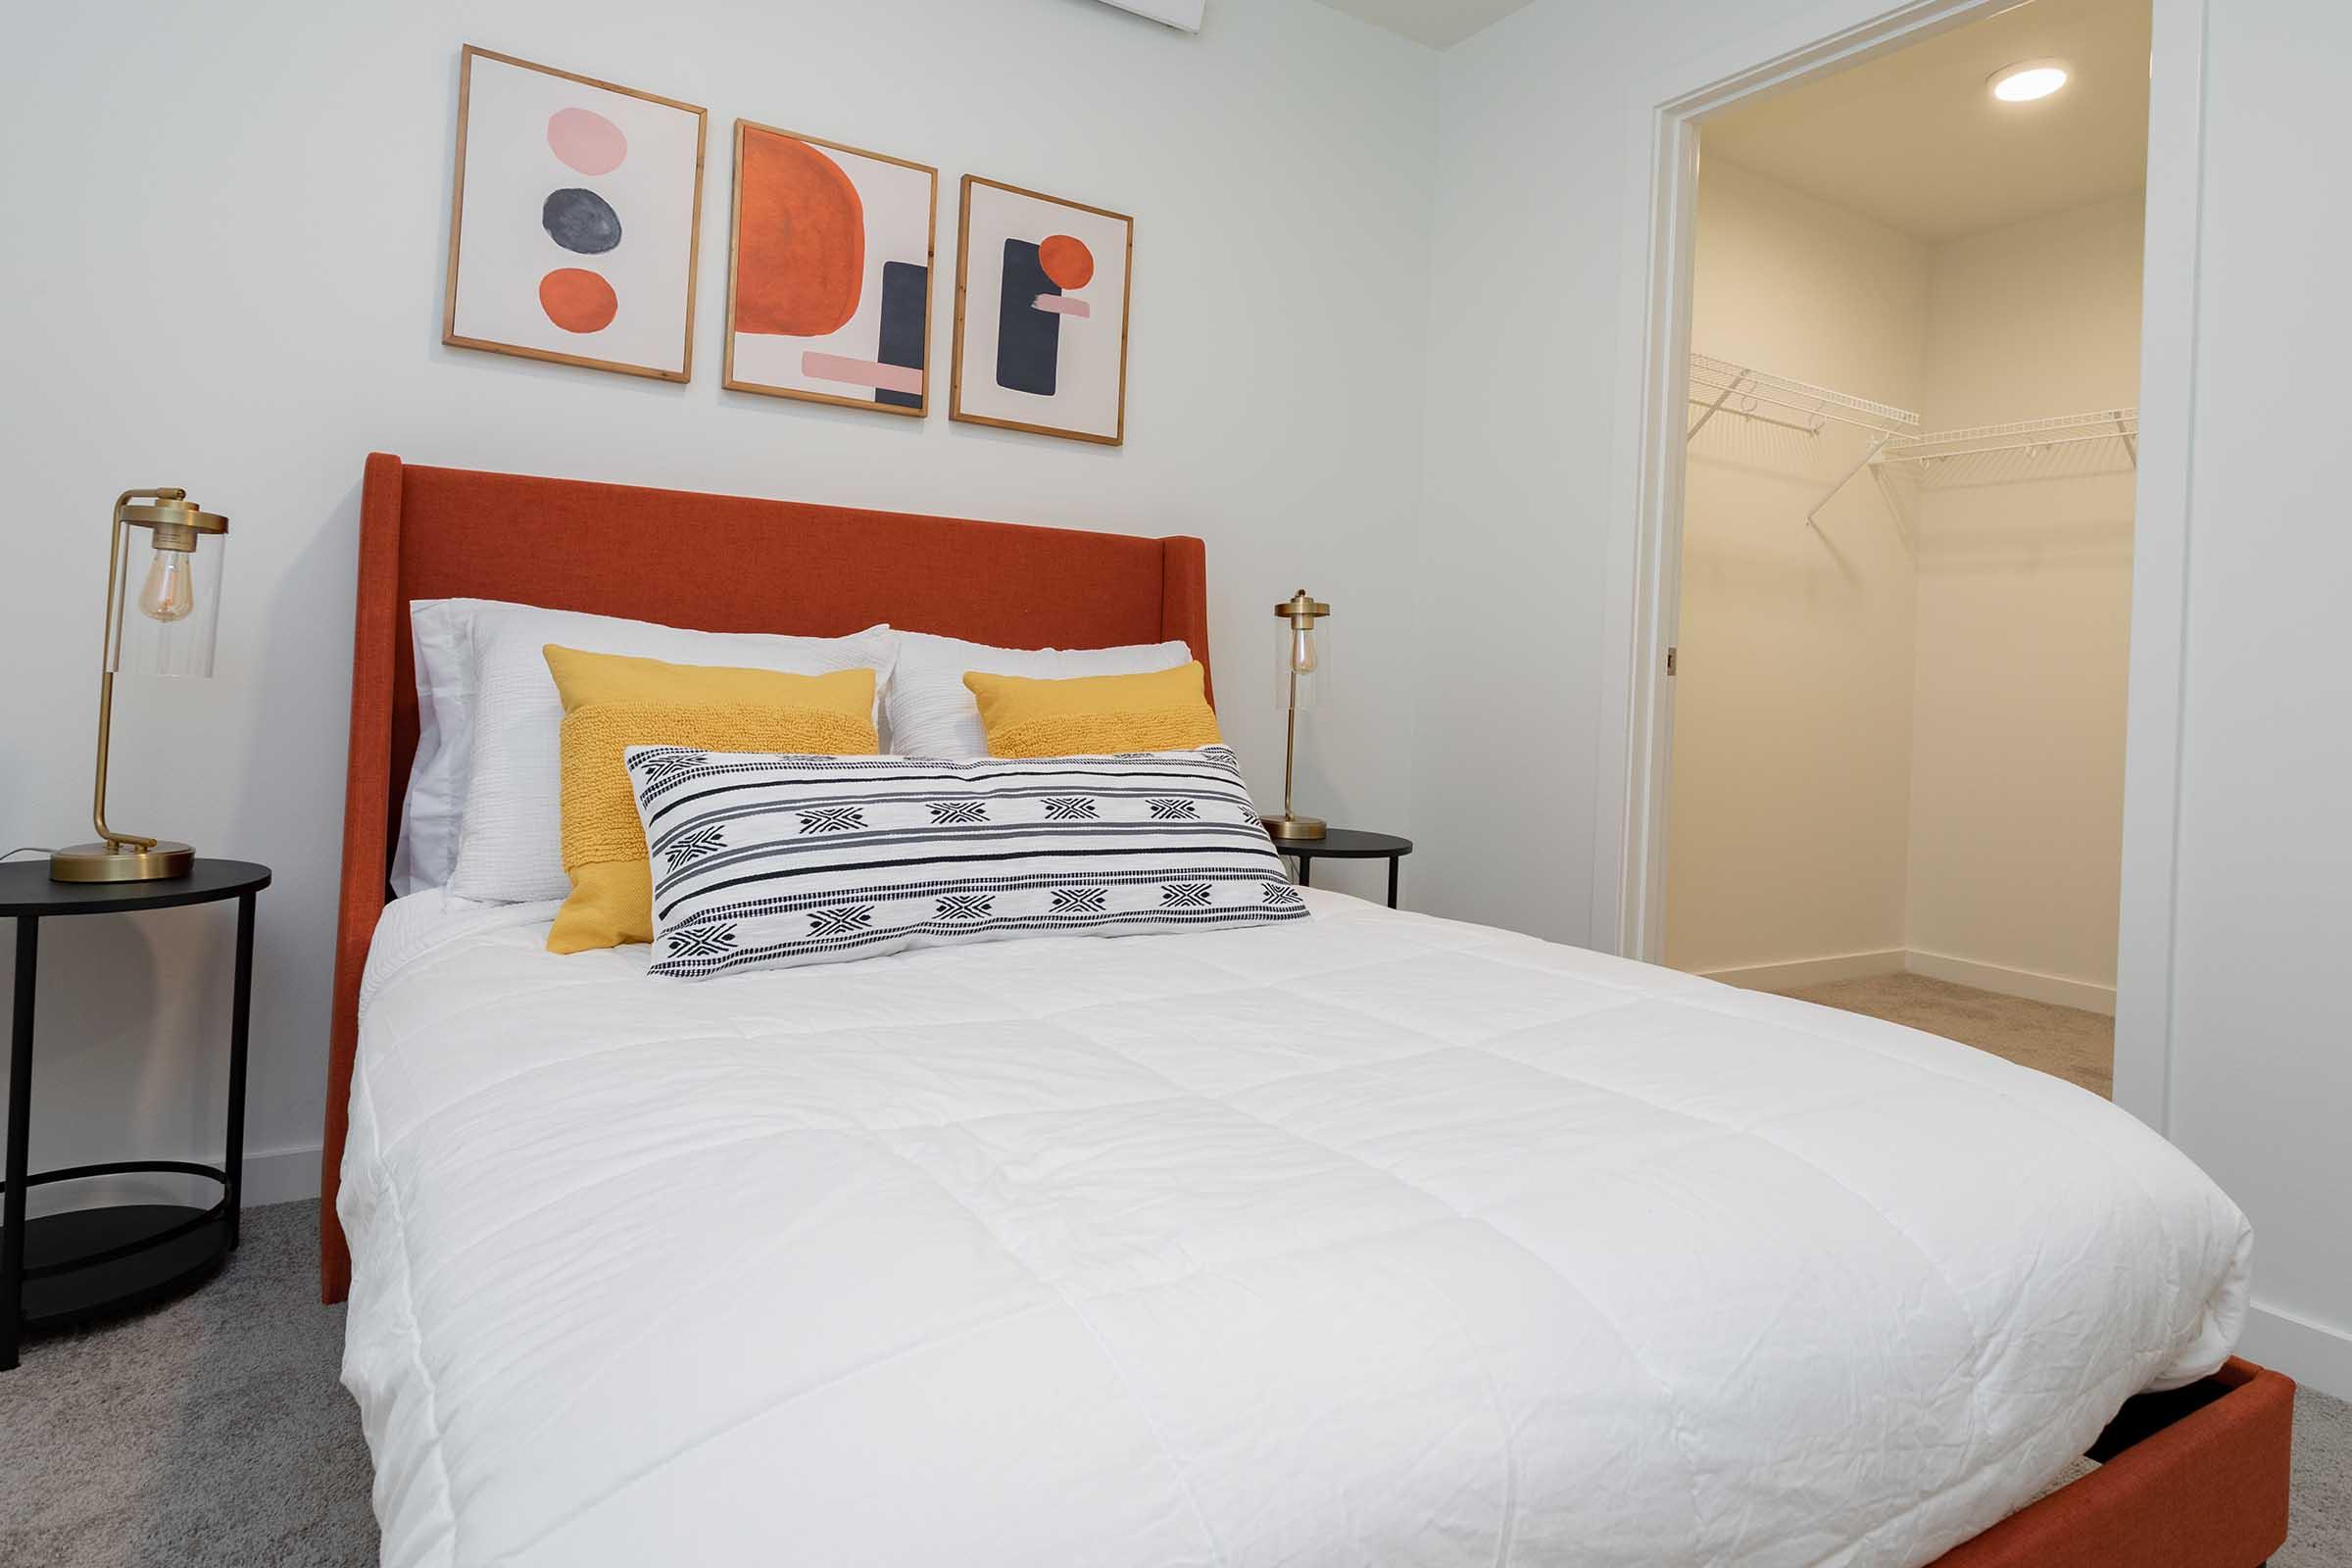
[[2026, 983], [280, 1176], [1797, 972], [2312, 1353]]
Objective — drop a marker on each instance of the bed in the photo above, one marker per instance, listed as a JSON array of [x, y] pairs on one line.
[[1368, 1238]]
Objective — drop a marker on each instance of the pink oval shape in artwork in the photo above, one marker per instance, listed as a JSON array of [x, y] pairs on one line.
[[586, 140]]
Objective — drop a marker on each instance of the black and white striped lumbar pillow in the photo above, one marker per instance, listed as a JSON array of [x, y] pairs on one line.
[[766, 861]]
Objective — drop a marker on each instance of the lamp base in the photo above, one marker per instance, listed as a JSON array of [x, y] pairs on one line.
[[107, 862], [1279, 828]]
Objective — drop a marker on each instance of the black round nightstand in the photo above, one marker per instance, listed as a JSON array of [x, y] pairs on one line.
[[1346, 844], [63, 1269]]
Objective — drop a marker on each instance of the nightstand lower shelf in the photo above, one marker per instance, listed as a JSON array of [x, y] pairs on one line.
[[76, 1269]]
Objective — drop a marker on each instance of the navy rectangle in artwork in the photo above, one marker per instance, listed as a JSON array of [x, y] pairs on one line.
[[1028, 340], [905, 313]]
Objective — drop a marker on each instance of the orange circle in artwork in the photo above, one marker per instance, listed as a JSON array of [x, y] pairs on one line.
[[578, 300], [1066, 260]]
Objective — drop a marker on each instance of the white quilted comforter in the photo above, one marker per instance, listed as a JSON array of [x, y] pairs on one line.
[[1372, 1239]]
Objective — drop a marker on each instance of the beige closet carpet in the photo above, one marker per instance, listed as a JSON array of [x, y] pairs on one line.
[[2075, 1046]]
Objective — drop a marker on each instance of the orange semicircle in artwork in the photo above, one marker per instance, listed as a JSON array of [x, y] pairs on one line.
[[799, 239]]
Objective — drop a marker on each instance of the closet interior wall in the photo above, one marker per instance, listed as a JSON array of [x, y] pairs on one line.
[[1898, 732], [1788, 823], [2023, 574]]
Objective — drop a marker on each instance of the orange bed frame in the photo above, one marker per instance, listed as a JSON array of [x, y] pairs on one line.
[[2192, 1479]]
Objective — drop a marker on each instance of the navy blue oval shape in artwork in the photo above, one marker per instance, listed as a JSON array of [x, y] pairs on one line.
[[581, 220]]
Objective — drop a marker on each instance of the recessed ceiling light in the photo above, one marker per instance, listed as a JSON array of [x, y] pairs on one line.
[[2028, 81]]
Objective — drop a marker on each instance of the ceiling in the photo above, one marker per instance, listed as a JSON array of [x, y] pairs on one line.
[[1916, 140], [1438, 23]]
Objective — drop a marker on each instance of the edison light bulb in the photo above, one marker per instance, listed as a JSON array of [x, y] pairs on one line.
[[170, 592], [1302, 650]]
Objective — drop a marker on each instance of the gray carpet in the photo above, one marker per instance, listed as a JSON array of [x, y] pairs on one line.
[[211, 1432]]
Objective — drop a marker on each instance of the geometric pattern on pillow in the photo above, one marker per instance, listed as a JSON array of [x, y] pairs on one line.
[[778, 861]]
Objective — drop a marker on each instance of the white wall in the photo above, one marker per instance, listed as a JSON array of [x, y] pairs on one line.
[[2024, 606], [226, 235], [1535, 135], [1789, 833]]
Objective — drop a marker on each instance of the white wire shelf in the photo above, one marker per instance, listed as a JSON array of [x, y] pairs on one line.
[[1937, 446], [1978, 454], [1719, 386]]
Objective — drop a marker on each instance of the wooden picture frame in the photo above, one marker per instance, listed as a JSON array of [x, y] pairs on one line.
[[1096, 416], [846, 312], [495, 319]]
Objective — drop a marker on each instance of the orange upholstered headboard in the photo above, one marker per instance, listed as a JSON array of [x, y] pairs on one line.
[[715, 562]]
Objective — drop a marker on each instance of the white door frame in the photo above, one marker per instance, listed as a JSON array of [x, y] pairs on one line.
[[1635, 739]]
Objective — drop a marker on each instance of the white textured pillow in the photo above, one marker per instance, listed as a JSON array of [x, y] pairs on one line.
[[509, 834], [435, 802], [766, 861], [931, 712]]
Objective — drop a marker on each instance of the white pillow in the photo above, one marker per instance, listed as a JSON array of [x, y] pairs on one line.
[[430, 814], [931, 712], [510, 830]]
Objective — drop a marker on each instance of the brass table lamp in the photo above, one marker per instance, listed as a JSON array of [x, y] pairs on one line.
[[166, 626], [1298, 687]]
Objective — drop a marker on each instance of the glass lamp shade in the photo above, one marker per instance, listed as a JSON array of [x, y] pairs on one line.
[[167, 619], [1302, 662]]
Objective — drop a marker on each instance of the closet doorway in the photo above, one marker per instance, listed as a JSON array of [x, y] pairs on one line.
[[1897, 707]]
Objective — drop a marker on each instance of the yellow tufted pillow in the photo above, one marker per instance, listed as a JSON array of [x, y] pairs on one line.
[[1092, 715], [612, 702]]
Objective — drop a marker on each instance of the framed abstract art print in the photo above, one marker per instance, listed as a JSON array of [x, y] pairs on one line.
[[574, 219], [829, 273], [1041, 314]]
